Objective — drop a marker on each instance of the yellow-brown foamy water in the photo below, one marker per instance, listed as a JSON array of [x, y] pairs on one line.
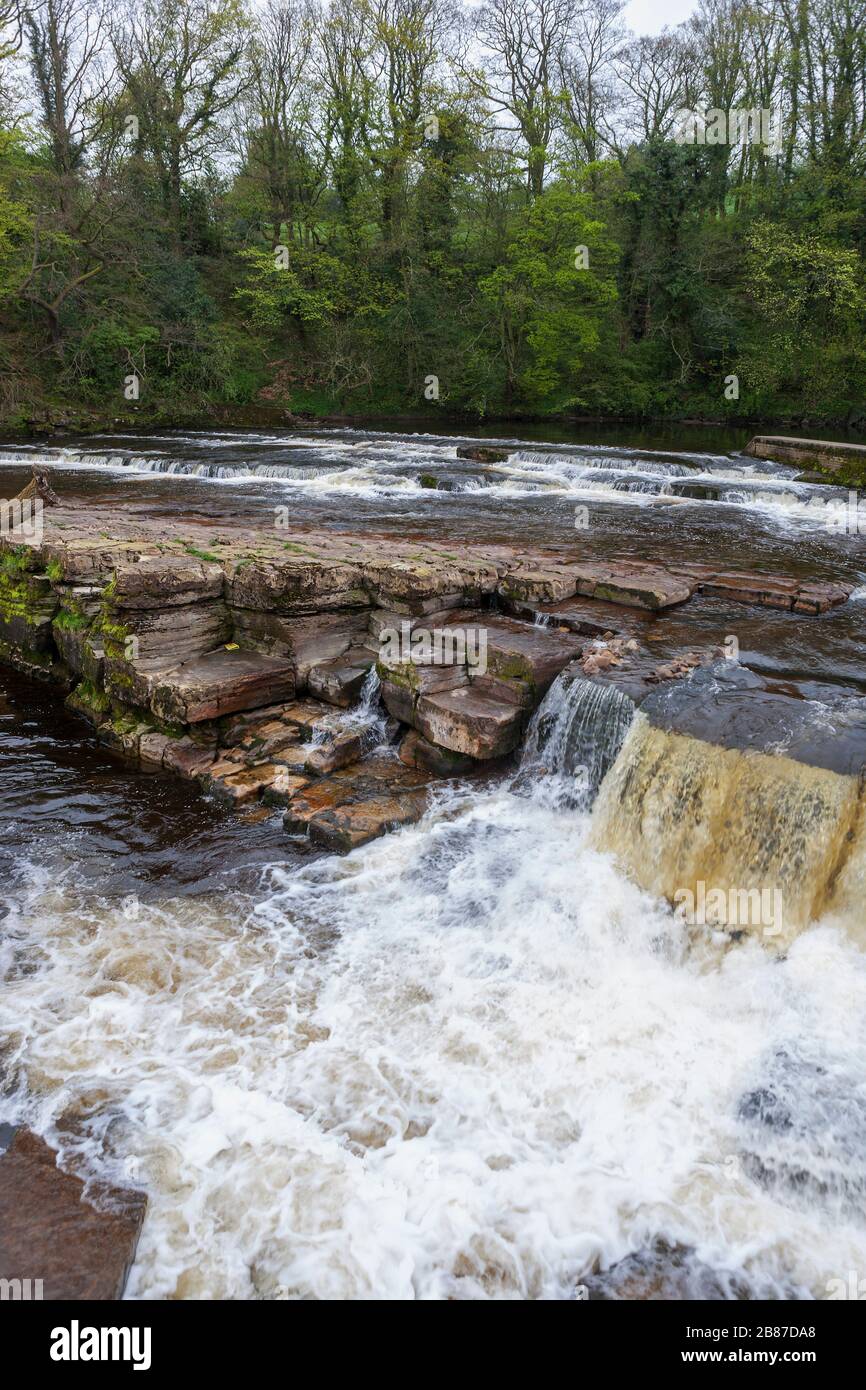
[[688, 818], [471, 1060]]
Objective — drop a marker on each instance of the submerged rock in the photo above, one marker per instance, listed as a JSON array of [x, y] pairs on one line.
[[668, 1273], [482, 453], [804, 1128]]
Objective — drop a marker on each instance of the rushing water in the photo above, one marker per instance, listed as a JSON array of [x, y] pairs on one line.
[[470, 1060]]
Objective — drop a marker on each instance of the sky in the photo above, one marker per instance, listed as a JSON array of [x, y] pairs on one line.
[[650, 16]]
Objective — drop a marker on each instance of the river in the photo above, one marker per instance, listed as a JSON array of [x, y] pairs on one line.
[[472, 1059]]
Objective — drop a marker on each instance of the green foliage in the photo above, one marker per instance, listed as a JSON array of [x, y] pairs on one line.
[[408, 255]]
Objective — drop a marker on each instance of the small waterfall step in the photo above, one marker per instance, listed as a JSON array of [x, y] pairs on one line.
[[577, 730], [341, 680]]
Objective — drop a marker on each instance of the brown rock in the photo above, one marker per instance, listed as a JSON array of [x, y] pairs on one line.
[[644, 586], [415, 751], [166, 581], [339, 682], [471, 722], [482, 453], [358, 803], [80, 1246], [219, 683]]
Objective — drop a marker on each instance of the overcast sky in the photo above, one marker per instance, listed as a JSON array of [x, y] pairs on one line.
[[649, 16]]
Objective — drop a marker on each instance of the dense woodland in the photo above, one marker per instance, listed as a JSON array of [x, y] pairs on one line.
[[380, 205]]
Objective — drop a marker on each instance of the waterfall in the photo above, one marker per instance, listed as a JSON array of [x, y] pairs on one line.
[[368, 717], [575, 735], [751, 840]]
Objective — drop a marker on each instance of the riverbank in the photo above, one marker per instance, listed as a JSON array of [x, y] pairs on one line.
[[51, 421]]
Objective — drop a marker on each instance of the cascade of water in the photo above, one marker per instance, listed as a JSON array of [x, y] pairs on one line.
[[718, 827], [368, 717], [575, 735]]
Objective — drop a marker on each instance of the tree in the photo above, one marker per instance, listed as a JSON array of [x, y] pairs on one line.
[[182, 63]]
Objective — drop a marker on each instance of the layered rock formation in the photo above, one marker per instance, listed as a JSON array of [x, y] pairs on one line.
[[237, 656]]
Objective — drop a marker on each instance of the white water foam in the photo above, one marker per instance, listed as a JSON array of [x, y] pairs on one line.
[[376, 465], [468, 1061]]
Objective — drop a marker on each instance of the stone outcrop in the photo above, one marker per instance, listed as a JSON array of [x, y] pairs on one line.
[[359, 803], [79, 1241], [236, 656]]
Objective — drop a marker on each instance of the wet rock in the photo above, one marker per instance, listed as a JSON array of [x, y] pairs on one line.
[[219, 683], [528, 655], [399, 698], [644, 586], [187, 758], [804, 1128], [766, 590], [482, 453], [470, 721], [679, 667], [587, 616], [250, 784], [80, 1244], [267, 741], [303, 736], [733, 707], [417, 752], [236, 729], [359, 803], [663, 1272], [340, 682], [151, 748], [548, 585]]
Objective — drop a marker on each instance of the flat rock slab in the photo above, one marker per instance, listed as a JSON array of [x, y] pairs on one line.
[[521, 652], [590, 617], [50, 1231], [637, 585], [469, 721], [767, 590], [219, 683], [827, 453], [733, 707]]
